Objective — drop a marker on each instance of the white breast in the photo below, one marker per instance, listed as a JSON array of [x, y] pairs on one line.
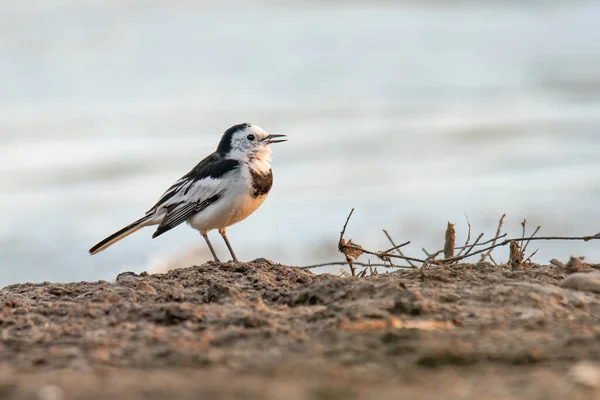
[[236, 204]]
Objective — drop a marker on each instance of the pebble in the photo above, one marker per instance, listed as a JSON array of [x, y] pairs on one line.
[[586, 282], [127, 277], [50, 392], [586, 374], [144, 287], [576, 264]]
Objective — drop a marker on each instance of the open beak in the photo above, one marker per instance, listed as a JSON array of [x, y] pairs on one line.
[[275, 138]]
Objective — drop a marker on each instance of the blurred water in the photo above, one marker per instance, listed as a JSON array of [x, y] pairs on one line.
[[415, 114]]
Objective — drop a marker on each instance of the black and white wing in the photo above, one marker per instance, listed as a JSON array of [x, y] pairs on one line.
[[195, 191]]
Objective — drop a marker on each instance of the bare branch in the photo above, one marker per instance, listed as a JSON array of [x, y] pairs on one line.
[[531, 256], [468, 237], [432, 257], [492, 258], [474, 244], [352, 250], [532, 235], [343, 247], [588, 238], [343, 232], [342, 263], [484, 243], [397, 248], [507, 241], [496, 237]]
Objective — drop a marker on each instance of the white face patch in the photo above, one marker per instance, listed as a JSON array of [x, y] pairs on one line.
[[250, 143]]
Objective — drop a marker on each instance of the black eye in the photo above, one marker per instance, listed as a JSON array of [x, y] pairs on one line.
[[250, 137]]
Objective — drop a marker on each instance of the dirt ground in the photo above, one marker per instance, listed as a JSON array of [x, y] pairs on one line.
[[263, 331]]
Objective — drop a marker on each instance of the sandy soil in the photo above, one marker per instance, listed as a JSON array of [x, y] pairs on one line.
[[263, 331]]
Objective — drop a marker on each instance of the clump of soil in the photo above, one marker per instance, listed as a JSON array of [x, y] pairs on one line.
[[257, 331]]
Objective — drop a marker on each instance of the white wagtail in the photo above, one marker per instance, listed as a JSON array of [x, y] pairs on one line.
[[223, 189]]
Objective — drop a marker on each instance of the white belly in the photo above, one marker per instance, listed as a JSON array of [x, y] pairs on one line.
[[228, 210], [236, 204]]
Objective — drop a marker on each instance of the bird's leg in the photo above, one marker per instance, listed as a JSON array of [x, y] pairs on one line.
[[223, 233], [210, 246]]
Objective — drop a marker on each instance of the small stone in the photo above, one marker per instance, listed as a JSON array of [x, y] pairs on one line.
[[144, 287], [583, 281], [576, 264], [127, 277], [586, 374], [263, 260], [50, 392]]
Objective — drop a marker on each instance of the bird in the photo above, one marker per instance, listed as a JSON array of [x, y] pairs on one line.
[[221, 190]]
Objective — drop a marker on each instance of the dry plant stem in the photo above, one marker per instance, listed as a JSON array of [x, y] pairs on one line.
[[450, 241], [492, 258], [422, 270], [532, 235], [432, 257], [495, 238], [596, 236], [516, 256], [484, 243], [468, 237], [524, 224], [385, 256], [504, 243], [531, 256], [342, 245], [359, 264], [373, 271], [453, 259], [351, 250], [397, 248], [344, 273], [474, 244], [351, 265], [507, 241], [343, 232]]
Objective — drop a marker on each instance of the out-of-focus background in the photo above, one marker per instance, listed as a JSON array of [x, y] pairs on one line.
[[415, 113]]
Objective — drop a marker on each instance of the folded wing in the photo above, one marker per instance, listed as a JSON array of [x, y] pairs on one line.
[[194, 192], [182, 213]]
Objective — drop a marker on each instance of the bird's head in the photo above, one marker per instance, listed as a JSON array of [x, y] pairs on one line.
[[247, 141]]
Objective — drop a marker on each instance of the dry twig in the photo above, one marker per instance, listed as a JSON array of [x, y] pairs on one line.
[[356, 263], [352, 250], [474, 244], [397, 248], [468, 237], [488, 254], [532, 235], [346, 249], [528, 261]]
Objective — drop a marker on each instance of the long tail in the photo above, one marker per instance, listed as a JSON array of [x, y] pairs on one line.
[[123, 233]]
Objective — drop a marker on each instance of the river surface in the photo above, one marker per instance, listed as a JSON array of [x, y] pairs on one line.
[[413, 113]]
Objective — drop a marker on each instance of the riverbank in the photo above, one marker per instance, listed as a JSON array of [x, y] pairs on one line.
[[257, 330]]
